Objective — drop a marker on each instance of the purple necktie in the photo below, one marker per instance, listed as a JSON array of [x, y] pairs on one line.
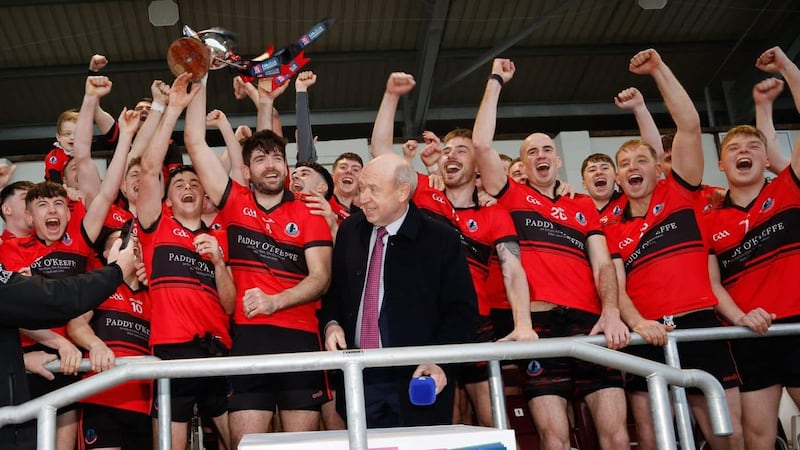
[[370, 335]]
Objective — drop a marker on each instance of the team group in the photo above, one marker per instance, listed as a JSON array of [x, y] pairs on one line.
[[237, 256]]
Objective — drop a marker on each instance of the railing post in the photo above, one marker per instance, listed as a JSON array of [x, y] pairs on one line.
[[164, 414], [496, 394], [356, 409], [682, 416], [661, 411], [46, 428]]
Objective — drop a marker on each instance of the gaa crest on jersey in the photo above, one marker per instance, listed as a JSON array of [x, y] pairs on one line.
[[472, 225], [292, 229], [617, 210], [580, 218], [67, 239], [768, 204], [658, 208], [53, 159]]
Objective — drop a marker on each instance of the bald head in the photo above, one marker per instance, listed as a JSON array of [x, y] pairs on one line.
[[386, 186]]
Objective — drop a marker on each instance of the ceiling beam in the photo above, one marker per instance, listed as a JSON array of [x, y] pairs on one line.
[[508, 43], [396, 55], [431, 41]]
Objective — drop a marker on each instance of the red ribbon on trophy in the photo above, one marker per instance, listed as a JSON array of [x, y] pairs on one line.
[[214, 48]]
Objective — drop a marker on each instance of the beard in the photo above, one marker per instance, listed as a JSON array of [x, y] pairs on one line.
[[266, 189]]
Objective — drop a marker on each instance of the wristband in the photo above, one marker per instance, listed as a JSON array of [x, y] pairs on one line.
[[497, 78], [204, 80], [92, 73], [433, 168], [157, 106]]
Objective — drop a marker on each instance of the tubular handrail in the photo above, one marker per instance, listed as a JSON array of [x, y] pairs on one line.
[[589, 348]]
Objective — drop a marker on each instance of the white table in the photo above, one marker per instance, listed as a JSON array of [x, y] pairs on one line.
[[414, 438]]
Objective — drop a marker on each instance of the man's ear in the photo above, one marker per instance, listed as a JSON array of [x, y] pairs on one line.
[[404, 192]]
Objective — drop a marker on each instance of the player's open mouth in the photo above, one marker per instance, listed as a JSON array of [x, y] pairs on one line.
[[452, 168], [187, 198], [542, 167], [635, 180], [744, 163], [600, 182], [52, 224], [348, 180]]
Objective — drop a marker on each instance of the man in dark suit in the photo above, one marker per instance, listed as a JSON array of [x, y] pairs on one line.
[[420, 279]]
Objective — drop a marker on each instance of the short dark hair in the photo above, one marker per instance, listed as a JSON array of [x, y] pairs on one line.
[[596, 158], [9, 192], [45, 189], [178, 170], [317, 167], [348, 155], [266, 141], [506, 158]]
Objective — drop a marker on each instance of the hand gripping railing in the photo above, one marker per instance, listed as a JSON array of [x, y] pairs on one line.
[[354, 361]]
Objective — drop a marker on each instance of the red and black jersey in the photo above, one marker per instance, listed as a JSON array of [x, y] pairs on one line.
[[758, 247], [664, 253], [480, 229], [116, 217], [6, 235], [183, 287], [553, 237], [267, 251], [123, 323], [54, 164], [72, 255], [342, 212]]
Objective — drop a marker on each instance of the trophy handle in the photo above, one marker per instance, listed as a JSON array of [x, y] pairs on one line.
[[189, 55]]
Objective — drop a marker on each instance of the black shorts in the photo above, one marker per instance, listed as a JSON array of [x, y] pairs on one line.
[[565, 377], [210, 394], [768, 361], [713, 357], [106, 427], [39, 385], [475, 372], [289, 391]]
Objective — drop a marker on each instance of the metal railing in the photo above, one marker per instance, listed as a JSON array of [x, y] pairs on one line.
[[352, 362]]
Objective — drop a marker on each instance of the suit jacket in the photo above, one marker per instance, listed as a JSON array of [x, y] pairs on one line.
[[35, 302], [428, 298]]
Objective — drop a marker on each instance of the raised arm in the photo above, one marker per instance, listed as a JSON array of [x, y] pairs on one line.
[[96, 212], [399, 84], [764, 94], [305, 137], [148, 207], [632, 100], [160, 92], [209, 168], [490, 165], [232, 158], [775, 60], [266, 112], [103, 119], [88, 175], [687, 149]]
